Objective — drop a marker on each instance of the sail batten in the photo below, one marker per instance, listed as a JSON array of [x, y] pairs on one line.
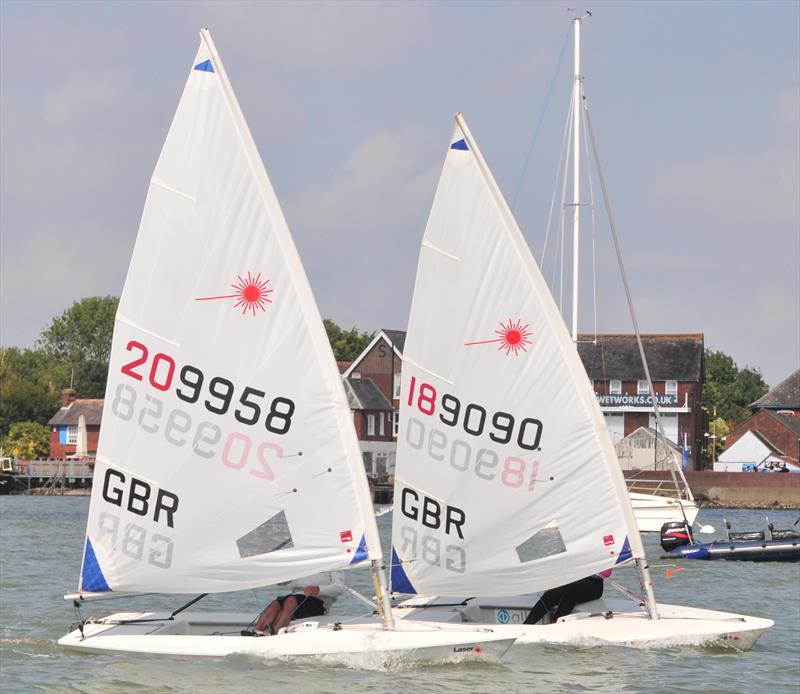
[[505, 482], [227, 458]]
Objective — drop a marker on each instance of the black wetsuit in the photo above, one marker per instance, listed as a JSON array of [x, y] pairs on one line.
[[562, 600]]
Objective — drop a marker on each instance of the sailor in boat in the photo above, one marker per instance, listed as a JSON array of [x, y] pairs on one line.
[[309, 596], [560, 601]]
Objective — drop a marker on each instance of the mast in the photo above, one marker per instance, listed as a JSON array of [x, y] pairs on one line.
[[577, 112], [576, 172]]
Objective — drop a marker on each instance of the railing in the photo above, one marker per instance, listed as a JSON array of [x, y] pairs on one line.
[[667, 488], [55, 468]]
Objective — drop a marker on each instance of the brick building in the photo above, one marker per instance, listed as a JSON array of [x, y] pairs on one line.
[[677, 369], [373, 417], [770, 437], [68, 425], [676, 363], [380, 365]]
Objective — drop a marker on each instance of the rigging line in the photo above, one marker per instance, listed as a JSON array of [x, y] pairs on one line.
[[162, 619], [631, 309], [463, 603], [585, 103], [541, 117], [356, 618], [560, 171], [563, 220]]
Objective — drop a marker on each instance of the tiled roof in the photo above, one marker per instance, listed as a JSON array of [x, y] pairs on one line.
[[398, 338], [342, 365], [669, 357], [784, 396], [92, 410], [363, 394], [791, 422]]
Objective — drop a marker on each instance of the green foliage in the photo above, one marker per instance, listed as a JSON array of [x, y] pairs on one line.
[[717, 430], [730, 389], [27, 440], [80, 339], [74, 350], [30, 386], [346, 344]]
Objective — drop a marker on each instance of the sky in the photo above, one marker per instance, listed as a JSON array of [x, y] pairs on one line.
[[695, 105]]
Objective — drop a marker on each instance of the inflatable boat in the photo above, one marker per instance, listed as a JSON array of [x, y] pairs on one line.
[[678, 542]]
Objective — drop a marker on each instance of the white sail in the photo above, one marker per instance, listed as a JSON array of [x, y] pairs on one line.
[[506, 478], [227, 458]]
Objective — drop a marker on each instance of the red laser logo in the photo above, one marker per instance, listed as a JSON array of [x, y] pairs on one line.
[[250, 294], [513, 337]]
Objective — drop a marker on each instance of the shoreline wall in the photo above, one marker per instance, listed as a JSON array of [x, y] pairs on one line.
[[735, 489]]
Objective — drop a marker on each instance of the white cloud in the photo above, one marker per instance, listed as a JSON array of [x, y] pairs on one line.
[[381, 177], [82, 94], [748, 187]]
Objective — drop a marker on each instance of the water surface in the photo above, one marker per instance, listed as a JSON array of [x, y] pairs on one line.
[[41, 540]]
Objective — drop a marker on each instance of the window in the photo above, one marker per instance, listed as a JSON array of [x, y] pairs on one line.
[[396, 423], [72, 435], [355, 374], [642, 388], [381, 429], [671, 388], [615, 387], [396, 393], [370, 425]]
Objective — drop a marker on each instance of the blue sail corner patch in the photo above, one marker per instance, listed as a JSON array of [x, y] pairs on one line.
[[400, 582], [625, 553], [205, 66], [92, 579], [361, 551]]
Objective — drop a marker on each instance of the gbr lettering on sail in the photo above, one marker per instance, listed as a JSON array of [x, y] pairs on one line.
[[495, 447]]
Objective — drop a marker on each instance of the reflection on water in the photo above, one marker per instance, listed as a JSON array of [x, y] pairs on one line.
[[41, 539]]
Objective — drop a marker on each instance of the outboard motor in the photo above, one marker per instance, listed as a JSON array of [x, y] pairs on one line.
[[675, 534]]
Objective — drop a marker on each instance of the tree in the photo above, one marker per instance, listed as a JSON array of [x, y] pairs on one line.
[[28, 440], [30, 385], [81, 339], [717, 430], [730, 389], [346, 344]]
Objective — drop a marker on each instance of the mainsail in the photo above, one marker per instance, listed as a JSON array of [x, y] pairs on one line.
[[227, 458], [506, 479]]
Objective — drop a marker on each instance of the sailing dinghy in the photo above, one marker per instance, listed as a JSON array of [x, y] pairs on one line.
[[228, 459], [506, 480]]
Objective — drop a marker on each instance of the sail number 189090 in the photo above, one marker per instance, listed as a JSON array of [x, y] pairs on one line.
[[474, 418]]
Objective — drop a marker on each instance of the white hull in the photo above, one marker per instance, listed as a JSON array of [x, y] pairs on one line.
[[653, 510], [589, 625], [364, 644]]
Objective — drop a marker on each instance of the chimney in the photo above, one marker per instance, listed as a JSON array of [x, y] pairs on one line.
[[67, 397]]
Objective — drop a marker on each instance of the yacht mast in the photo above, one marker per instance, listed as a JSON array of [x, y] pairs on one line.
[[577, 114], [576, 172]]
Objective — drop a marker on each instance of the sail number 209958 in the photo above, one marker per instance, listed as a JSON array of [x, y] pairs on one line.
[[473, 417], [219, 391]]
